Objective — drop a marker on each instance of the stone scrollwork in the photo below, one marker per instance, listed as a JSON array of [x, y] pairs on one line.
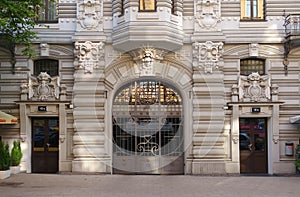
[[42, 88], [254, 88], [90, 15], [208, 14], [208, 56], [145, 58], [89, 55]]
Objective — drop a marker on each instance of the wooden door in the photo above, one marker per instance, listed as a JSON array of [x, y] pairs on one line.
[[253, 145], [45, 134]]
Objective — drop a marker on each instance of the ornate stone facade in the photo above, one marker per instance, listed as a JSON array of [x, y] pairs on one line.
[[193, 47]]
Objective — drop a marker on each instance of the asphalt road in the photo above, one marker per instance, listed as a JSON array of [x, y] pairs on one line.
[[31, 185]]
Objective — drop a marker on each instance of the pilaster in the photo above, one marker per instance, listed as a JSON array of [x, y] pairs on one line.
[[208, 110]]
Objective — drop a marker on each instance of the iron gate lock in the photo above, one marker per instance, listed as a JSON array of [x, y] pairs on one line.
[[289, 148]]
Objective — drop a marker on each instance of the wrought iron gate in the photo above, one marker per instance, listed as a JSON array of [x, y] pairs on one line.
[[147, 129]]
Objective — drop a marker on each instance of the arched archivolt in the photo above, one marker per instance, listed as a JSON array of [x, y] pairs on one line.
[[170, 76], [242, 51], [169, 70], [295, 52], [55, 51]]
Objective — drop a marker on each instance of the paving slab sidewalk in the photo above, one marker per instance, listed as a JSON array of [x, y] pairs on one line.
[[32, 185]]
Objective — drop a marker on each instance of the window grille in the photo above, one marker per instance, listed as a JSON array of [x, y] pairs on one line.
[[248, 66]]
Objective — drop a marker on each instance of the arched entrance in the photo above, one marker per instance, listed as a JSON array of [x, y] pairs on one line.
[[147, 129]]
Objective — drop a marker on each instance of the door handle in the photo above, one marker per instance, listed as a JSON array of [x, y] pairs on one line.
[[48, 145], [250, 146]]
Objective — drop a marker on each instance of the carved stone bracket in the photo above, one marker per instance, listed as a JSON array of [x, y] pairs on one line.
[[41, 88], [90, 15], [145, 58], [254, 49], [89, 55], [235, 139], [275, 139], [44, 49], [62, 138], [254, 88], [208, 56], [208, 15], [23, 138]]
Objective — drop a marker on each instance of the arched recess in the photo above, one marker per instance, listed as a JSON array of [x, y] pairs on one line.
[[169, 74]]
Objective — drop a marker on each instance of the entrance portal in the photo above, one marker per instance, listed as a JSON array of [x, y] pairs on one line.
[[253, 145], [45, 133], [147, 129]]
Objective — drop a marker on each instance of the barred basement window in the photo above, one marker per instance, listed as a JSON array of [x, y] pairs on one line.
[[147, 5], [248, 66], [48, 12], [46, 65], [252, 9]]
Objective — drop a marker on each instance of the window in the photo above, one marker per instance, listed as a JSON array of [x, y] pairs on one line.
[[48, 12], [173, 6], [248, 66], [122, 8], [46, 65], [252, 10], [147, 5]]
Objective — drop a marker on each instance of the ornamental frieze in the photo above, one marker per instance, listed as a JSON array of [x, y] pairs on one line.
[[90, 15], [89, 56], [208, 56]]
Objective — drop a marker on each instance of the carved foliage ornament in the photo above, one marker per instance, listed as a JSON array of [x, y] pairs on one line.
[[208, 55], [90, 15], [254, 88], [208, 14], [42, 88], [89, 55]]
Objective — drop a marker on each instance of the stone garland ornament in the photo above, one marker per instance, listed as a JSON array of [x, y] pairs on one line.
[[208, 15], [90, 15], [89, 55], [207, 56]]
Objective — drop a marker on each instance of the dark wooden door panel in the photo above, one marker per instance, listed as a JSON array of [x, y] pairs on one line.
[[253, 145], [45, 133]]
